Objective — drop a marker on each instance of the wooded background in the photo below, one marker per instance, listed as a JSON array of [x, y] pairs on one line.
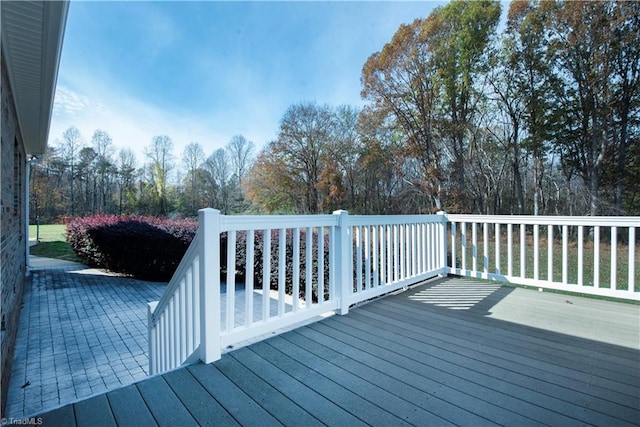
[[462, 114]]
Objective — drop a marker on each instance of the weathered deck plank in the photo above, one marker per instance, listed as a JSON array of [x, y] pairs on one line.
[[403, 360]]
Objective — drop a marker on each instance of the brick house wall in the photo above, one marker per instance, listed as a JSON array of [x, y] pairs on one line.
[[12, 227]]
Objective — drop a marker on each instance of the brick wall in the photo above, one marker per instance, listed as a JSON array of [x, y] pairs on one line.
[[12, 228]]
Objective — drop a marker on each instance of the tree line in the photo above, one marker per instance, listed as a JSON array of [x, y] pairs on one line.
[[538, 116], [80, 178]]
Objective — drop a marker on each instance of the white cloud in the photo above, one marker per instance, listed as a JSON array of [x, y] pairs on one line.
[[132, 123]]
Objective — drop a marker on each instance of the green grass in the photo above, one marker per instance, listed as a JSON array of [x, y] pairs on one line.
[[49, 233], [52, 242]]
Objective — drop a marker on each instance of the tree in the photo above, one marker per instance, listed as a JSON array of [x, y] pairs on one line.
[[160, 156], [626, 96], [304, 141], [192, 159], [219, 170], [581, 45], [240, 152], [126, 176], [105, 168], [526, 59], [400, 82], [457, 36], [71, 145]]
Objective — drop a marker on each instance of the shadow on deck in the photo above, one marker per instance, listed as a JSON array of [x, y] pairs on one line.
[[450, 351]]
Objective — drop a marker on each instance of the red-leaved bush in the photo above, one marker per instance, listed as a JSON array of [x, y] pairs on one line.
[[148, 248], [258, 268]]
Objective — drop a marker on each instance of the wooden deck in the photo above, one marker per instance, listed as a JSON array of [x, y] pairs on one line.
[[450, 352]]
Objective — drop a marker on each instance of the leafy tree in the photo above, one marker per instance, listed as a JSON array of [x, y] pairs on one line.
[[457, 36], [400, 81]]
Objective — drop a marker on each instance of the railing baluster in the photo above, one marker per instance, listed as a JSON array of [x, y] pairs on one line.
[[550, 253], [474, 247], [359, 266], [536, 252], [485, 250], [396, 250], [367, 257], [596, 256], [182, 315], [196, 302], [266, 274], [580, 255], [374, 260], [414, 260], [320, 265], [282, 270], [497, 243], [188, 310], [463, 243], [614, 257], [308, 284], [509, 250], [231, 281], [632, 257], [523, 237], [383, 264], [453, 247], [565, 254], [249, 272], [296, 269], [389, 253]]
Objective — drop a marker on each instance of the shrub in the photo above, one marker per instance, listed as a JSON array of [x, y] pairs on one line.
[[241, 256], [144, 247]]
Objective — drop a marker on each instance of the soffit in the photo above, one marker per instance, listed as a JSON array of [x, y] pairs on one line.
[[32, 34]]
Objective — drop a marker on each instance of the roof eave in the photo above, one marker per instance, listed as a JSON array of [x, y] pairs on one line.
[[32, 37]]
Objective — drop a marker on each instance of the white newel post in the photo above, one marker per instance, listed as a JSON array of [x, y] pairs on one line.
[[209, 250], [344, 261], [443, 244]]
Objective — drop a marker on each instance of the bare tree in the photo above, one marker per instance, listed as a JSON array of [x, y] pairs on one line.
[[72, 143], [160, 155], [192, 159]]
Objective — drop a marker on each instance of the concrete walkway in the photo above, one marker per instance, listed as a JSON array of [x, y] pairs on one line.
[[82, 332]]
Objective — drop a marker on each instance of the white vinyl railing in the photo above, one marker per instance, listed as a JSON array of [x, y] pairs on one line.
[[174, 321], [307, 266], [282, 270], [590, 255]]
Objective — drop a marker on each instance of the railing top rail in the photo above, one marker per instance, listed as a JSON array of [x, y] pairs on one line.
[[604, 221], [393, 219], [262, 222]]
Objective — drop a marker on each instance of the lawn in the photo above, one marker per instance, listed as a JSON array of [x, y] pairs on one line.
[[52, 242], [589, 273]]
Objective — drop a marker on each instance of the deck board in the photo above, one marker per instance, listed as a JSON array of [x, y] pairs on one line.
[[94, 412], [341, 396], [301, 394], [505, 370], [129, 407], [163, 403], [200, 404], [270, 398], [405, 360]]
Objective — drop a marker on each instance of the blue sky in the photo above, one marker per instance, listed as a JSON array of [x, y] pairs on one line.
[[205, 71]]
